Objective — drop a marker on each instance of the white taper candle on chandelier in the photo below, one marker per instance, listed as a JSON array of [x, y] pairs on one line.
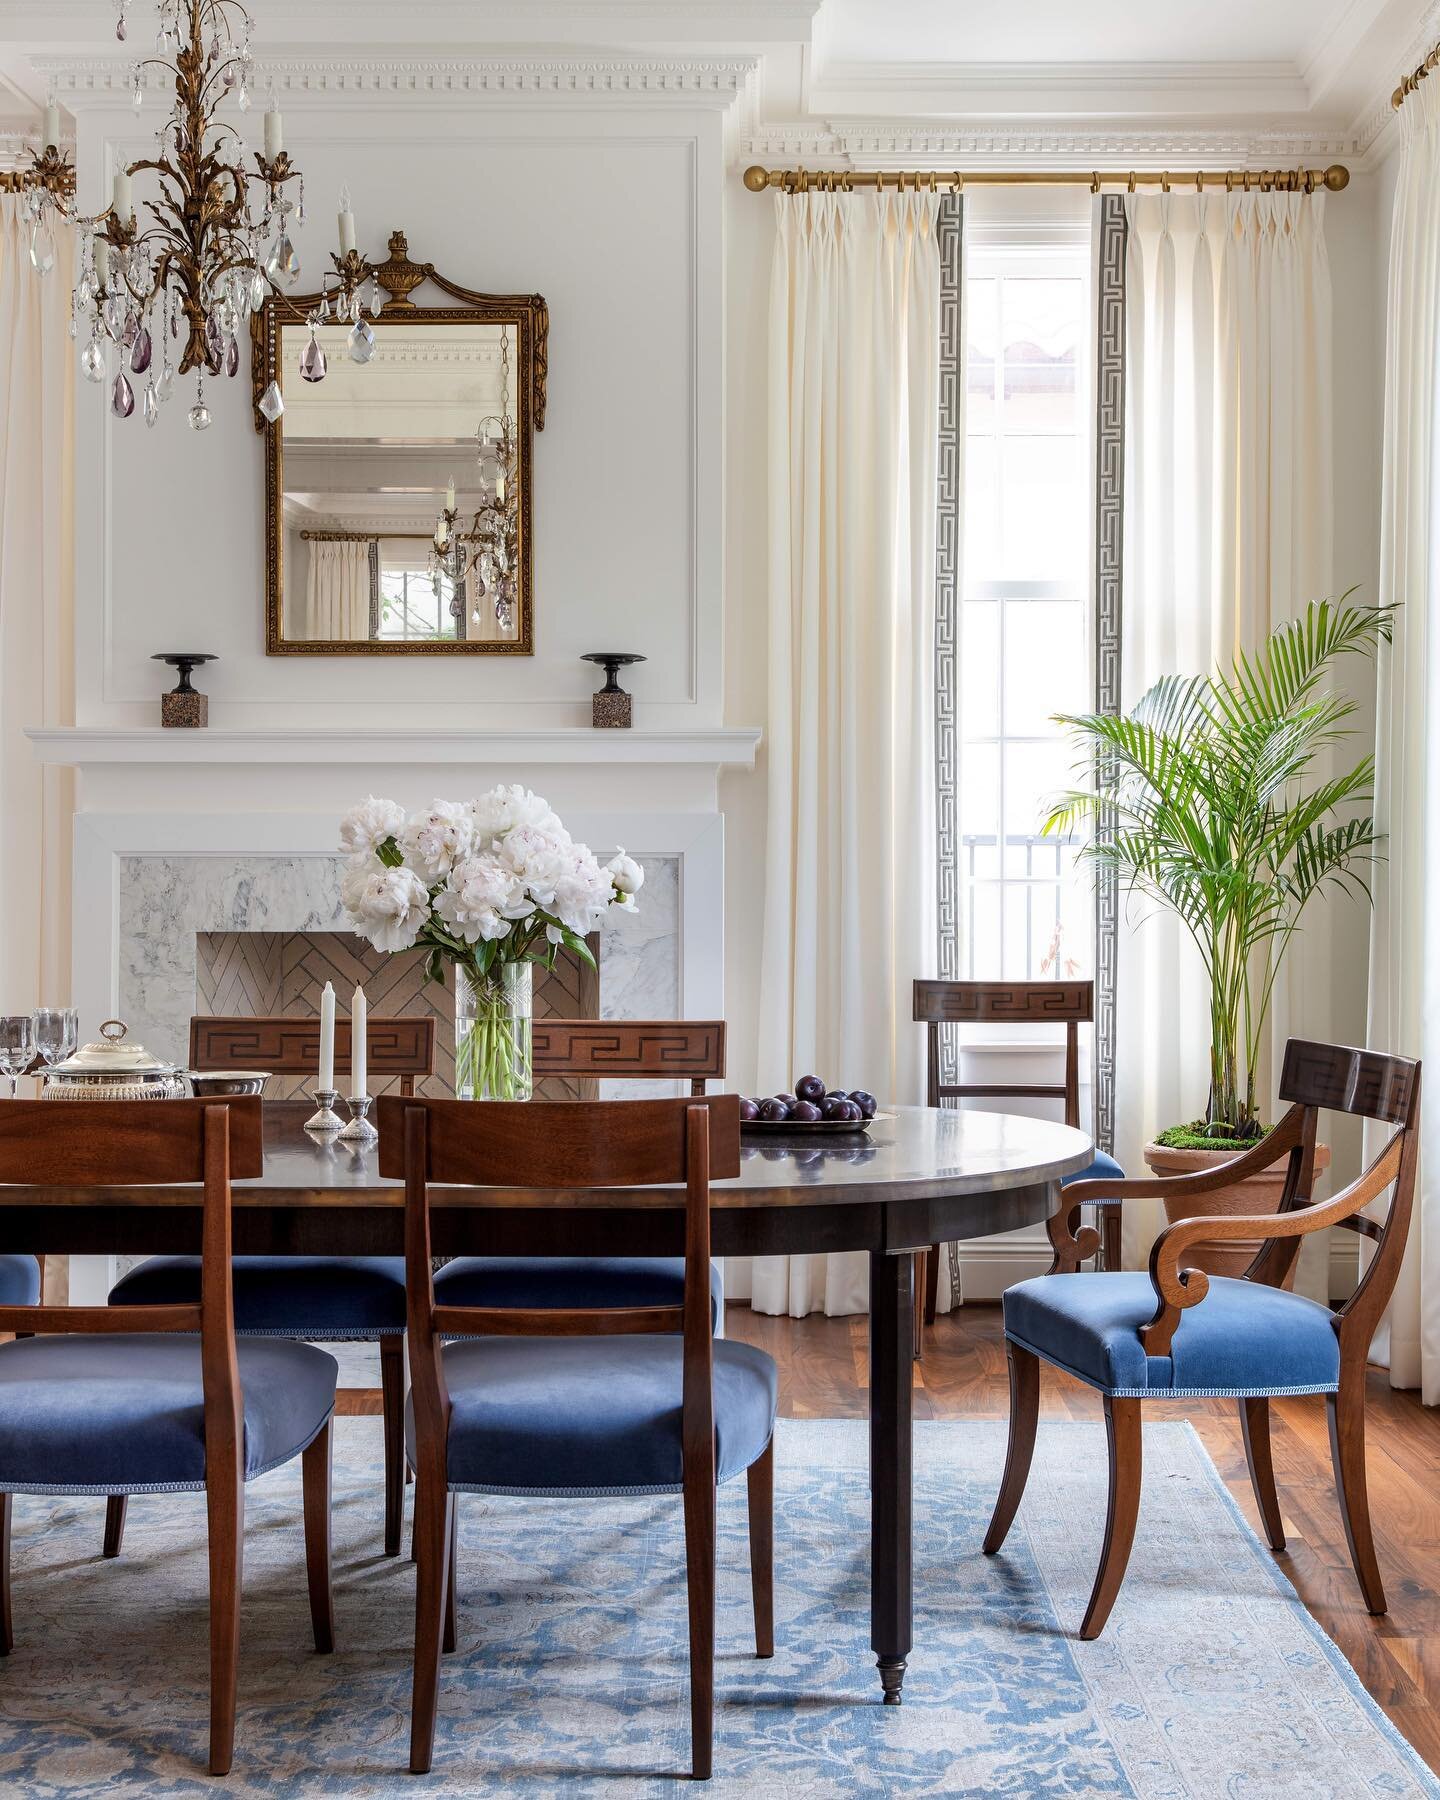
[[274, 137], [347, 223], [122, 204], [327, 1036], [102, 263], [450, 496], [358, 1071], [51, 133]]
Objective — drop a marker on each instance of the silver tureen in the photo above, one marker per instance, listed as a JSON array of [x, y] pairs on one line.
[[114, 1070]]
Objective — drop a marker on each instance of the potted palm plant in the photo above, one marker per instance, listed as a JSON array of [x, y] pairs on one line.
[[1215, 799]]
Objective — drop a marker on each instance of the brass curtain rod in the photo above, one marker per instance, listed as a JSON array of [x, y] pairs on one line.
[[1414, 78], [1266, 181]]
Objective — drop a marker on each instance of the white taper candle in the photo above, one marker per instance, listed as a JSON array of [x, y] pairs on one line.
[[346, 223], [274, 138], [358, 1071], [327, 1036], [51, 134], [122, 202]]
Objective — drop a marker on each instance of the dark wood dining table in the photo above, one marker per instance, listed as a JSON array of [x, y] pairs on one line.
[[917, 1178]]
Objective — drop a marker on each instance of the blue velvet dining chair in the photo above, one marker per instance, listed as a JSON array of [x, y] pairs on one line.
[[161, 1399], [1176, 1333], [19, 1280], [336, 1299], [1071, 1003], [581, 1053], [590, 1401]]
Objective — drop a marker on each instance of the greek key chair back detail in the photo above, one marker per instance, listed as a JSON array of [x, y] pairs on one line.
[[1071, 1003], [690, 1050], [291, 1046]]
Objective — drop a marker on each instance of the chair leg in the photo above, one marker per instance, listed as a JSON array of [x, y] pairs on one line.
[[392, 1411], [432, 1547], [700, 1584], [452, 1580], [7, 1634], [760, 1479], [315, 1480], [1255, 1430], [1122, 1429], [1347, 1452], [1024, 1416], [225, 1504], [114, 1524], [932, 1283]]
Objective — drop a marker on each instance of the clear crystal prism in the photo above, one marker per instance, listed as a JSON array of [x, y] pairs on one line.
[[92, 361], [312, 361], [199, 416], [272, 402], [151, 405], [361, 342]]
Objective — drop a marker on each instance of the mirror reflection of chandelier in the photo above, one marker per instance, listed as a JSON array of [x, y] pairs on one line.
[[182, 284], [479, 562]]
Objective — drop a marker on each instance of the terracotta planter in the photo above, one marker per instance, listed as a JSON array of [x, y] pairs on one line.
[[1255, 1194]]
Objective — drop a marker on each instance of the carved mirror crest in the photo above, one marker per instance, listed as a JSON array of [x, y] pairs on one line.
[[398, 484]]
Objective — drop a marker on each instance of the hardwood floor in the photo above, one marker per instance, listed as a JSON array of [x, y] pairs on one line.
[[823, 1373]]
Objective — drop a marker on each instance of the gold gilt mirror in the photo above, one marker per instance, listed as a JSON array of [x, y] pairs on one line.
[[398, 484]]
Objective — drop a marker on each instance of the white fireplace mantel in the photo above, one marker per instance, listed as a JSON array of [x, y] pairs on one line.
[[82, 746]]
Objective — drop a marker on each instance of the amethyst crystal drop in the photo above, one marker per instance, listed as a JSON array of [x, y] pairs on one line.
[[140, 352], [232, 356], [312, 361], [122, 397]]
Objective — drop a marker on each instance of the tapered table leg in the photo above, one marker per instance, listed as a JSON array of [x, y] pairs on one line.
[[892, 1315]]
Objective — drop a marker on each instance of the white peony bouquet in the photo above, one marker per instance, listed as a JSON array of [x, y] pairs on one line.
[[494, 885]]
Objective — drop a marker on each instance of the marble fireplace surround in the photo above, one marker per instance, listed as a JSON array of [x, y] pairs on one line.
[[146, 882]]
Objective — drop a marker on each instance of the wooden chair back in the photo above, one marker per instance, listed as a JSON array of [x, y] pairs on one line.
[[134, 1143], [568, 1145], [690, 1050], [291, 1046], [1071, 1003]]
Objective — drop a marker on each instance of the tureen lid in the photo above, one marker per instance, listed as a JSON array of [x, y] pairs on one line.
[[112, 1056]]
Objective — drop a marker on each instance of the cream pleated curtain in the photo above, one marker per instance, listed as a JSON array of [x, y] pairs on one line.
[[1405, 933], [1227, 533], [849, 888], [337, 590], [36, 615]]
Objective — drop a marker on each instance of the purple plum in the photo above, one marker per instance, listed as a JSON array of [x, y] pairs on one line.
[[774, 1112], [811, 1088], [866, 1102], [804, 1112], [749, 1110], [833, 1107]]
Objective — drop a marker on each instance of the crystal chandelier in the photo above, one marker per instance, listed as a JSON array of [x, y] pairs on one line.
[[480, 561], [216, 243]]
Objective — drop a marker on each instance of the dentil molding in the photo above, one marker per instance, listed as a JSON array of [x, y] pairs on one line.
[[1037, 143], [710, 82]]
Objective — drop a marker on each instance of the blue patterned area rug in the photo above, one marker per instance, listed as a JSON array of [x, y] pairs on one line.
[[1211, 1680]]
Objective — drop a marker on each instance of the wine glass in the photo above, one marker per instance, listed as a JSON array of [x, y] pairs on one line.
[[16, 1040], [55, 1030]]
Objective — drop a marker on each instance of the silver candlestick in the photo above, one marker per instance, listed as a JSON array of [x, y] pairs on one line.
[[326, 1118], [359, 1127]]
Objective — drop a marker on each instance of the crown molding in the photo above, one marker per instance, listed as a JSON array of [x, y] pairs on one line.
[[706, 82], [1036, 144], [1075, 89]]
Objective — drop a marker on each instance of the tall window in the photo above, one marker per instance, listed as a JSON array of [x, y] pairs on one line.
[[1024, 641], [412, 604]]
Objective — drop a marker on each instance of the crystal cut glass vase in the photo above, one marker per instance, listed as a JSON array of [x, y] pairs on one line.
[[493, 1015]]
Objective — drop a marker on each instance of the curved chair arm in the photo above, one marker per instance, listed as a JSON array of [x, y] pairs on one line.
[[1177, 1288], [1073, 1245]]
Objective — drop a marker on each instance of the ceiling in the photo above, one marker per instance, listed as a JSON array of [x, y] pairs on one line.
[[1316, 65]]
